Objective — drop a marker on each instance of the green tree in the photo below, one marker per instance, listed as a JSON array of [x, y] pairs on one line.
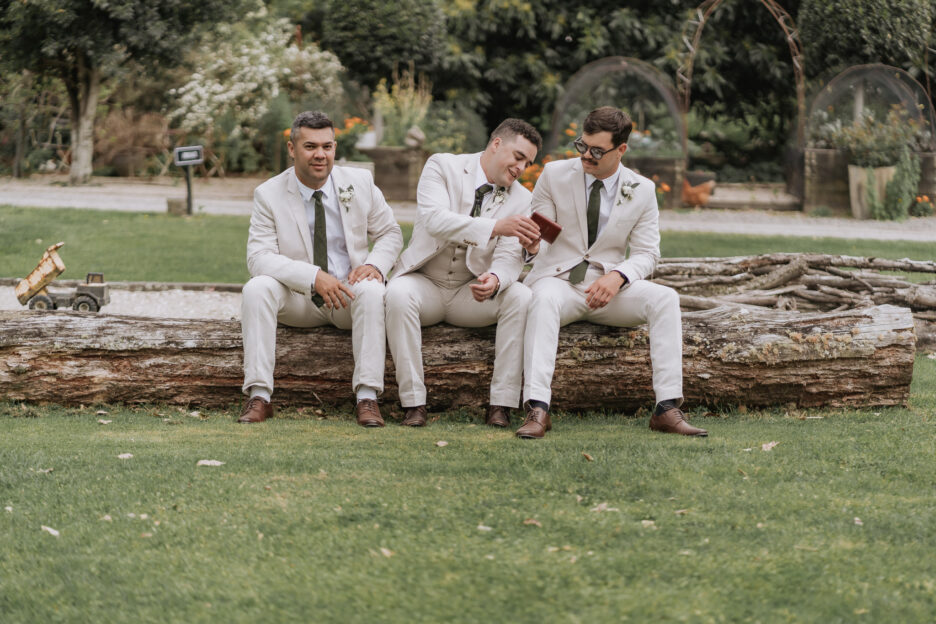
[[87, 42], [374, 37], [839, 33]]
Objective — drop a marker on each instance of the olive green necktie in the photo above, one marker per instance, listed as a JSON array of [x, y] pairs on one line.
[[594, 206], [319, 243], [483, 190]]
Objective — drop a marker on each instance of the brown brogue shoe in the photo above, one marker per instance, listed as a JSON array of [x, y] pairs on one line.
[[368, 413], [673, 420], [415, 416], [256, 410], [536, 424], [497, 416]]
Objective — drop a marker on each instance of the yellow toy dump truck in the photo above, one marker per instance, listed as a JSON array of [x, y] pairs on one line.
[[33, 291]]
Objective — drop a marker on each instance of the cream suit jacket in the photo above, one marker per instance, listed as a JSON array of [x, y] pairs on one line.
[[560, 194], [279, 243], [445, 196]]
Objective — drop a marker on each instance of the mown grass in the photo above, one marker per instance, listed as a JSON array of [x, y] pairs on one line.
[[202, 248], [321, 520]]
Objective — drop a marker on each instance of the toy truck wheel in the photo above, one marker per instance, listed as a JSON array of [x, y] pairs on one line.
[[84, 303], [41, 302]]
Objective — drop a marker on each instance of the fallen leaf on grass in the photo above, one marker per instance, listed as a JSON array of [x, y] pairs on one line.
[[931, 356], [815, 417], [441, 443], [809, 548], [101, 421], [681, 512], [386, 552], [45, 470], [209, 462], [768, 445], [647, 524], [747, 450], [685, 553], [195, 414], [8, 508], [125, 456], [552, 549], [861, 611], [146, 535], [603, 507], [482, 527], [858, 521], [533, 522], [50, 531], [107, 518], [588, 457], [100, 413]]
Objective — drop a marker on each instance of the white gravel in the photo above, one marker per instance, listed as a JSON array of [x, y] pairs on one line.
[[198, 304]]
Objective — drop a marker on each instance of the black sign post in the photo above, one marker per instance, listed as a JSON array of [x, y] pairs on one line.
[[187, 157]]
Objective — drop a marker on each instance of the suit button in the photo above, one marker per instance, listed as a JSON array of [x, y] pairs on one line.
[[558, 269], [586, 256]]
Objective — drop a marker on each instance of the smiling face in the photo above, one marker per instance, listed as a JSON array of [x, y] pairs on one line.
[[313, 150], [506, 158], [606, 165]]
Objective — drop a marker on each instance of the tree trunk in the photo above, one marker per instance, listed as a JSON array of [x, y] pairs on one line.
[[83, 85], [731, 356]]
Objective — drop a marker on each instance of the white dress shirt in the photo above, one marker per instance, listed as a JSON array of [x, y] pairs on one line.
[[338, 260], [607, 196]]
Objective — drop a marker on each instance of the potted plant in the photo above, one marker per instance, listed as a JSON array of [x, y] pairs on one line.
[[873, 148]]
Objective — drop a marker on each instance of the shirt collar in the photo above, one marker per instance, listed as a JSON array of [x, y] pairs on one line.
[[307, 192], [609, 183]]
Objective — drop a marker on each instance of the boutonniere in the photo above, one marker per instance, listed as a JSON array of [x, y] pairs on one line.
[[500, 196], [627, 191], [345, 195]]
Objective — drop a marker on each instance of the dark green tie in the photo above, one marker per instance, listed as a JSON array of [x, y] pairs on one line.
[[483, 190], [319, 243], [594, 207]]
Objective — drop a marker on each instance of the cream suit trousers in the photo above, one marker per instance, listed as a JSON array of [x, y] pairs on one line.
[[266, 302], [557, 302], [414, 301]]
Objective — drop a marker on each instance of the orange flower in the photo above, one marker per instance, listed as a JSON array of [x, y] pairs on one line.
[[570, 132], [286, 133], [665, 187], [573, 125], [919, 199], [926, 198]]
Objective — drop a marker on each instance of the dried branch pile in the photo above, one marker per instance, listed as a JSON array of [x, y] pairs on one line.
[[807, 283]]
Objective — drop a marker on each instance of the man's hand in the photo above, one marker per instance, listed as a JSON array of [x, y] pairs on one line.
[[331, 290], [524, 228], [487, 285], [602, 289], [533, 248], [363, 272]]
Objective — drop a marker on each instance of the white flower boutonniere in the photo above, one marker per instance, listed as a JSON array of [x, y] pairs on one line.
[[345, 195], [500, 196], [627, 191]]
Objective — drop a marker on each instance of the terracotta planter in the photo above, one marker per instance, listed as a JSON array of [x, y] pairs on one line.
[[858, 178]]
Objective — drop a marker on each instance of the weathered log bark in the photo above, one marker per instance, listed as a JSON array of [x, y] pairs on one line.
[[731, 356]]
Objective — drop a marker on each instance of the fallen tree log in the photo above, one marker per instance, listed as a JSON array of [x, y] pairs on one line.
[[731, 356]]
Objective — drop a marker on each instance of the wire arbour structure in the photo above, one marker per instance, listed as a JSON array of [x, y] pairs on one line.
[[702, 14]]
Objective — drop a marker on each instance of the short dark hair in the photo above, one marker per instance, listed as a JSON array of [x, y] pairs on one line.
[[309, 119], [517, 127], [609, 119]]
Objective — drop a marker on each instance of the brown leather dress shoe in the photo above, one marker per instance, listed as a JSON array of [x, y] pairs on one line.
[[415, 416], [673, 420], [497, 416], [536, 424], [368, 413], [256, 410]]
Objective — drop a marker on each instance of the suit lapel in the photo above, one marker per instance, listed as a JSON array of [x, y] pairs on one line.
[[340, 181], [576, 183], [297, 210], [468, 188]]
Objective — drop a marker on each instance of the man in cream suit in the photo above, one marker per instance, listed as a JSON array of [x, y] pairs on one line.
[[462, 264], [586, 273], [307, 251]]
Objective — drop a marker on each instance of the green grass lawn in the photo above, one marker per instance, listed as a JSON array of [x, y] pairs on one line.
[[321, 520], [158, 247]]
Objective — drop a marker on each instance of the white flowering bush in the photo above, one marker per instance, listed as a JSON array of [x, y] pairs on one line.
[[242, 71]]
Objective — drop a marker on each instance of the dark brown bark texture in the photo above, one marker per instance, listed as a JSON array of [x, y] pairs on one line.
[[751, 357]]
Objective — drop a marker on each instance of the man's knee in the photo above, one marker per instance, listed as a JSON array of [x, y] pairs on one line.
[[260, 289], [516, 296], [398, 296]]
